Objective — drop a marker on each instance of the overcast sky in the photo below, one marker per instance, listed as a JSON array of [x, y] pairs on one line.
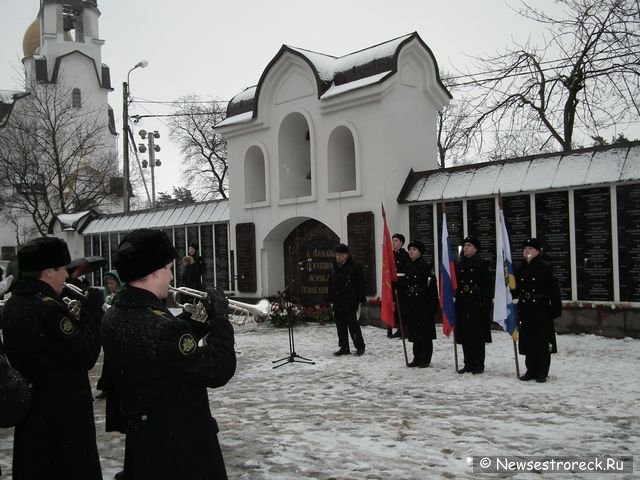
[[216, 49]]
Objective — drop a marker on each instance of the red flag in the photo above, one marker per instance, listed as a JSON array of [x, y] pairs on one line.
[[389, 274]]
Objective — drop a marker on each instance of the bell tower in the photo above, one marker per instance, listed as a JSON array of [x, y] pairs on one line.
[[63, 28]]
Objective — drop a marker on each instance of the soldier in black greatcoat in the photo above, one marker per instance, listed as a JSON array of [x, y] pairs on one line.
[[539, 302], [418, 292], [54, 351], [402, 259], [160, 372], [347, 292], [474, 298]]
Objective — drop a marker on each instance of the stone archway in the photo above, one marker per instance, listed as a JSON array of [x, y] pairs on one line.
[[307, 280]]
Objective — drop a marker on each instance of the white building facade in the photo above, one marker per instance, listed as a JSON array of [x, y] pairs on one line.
[[327, 139]]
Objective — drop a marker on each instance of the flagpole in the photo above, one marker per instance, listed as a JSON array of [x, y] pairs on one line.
[[455, 348], [404, 345], [515, 357]]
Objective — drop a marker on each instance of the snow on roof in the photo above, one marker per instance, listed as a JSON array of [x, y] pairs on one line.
[[240, 118], [336, 75], [345, 87], [8, 96], [71, 221], [328, 66], [215, 211], [590, 166]]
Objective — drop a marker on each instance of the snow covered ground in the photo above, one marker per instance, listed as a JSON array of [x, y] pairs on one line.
[[371, 418]]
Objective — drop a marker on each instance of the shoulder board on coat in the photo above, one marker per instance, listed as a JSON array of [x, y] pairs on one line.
[[66, 325], [160, 313], [49, 300]]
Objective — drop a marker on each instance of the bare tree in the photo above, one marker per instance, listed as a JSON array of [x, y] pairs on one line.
[[583, 80], [456, 128], [54, 157], [205, 152]]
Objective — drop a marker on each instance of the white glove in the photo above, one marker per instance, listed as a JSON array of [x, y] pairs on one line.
[[6, 284]]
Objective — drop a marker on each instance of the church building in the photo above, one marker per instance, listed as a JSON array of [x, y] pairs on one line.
[[63, 58]]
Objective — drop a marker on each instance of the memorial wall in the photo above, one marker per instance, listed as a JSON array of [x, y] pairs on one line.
[[212, 240], [589, 227]]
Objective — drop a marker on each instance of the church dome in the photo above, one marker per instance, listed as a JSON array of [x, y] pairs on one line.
[[31, 39]]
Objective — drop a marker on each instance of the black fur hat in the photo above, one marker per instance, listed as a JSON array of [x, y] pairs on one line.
[[42, 253], [399, 236], [473, 241], [142, 252], [342, 248], [416, 244], [533, 242]]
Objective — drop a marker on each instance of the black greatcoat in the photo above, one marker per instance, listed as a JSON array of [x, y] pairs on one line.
[[474, 299], [418, 292], [162, 376], [346, 286], [53, 351], [539, 302], [402, 259]]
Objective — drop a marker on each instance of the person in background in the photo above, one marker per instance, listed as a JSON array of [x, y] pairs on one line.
[[193, 252], [160, 371], [539, 303], [402, 259], [474, 300], [418, 292], [346, 294], [112, 285], [54, 351], [191, 273]]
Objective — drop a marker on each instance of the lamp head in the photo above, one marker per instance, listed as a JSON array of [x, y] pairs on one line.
[[141, 64]]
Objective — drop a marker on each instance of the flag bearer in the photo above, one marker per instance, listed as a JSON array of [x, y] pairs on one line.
[[539, 302], [418, 292], [473, 306]]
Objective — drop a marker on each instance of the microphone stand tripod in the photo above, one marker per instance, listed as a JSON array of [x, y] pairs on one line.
[[293, 357]]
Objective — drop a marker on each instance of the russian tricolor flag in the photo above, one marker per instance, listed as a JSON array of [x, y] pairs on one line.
[[448, 282]]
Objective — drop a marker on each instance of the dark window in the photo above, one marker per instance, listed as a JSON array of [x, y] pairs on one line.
[[76, 98], [7, 253]]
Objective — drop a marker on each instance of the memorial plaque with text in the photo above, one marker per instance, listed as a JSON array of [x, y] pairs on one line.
[[517, 216], [552, 221], [421, 228], [481, 223], [180, 244], [221, 239], [361, 238], [308, 255], [246, 257], [628, 205], [594, 267], [454, 227]]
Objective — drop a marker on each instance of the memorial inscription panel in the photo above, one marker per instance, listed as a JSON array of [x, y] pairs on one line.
[[308, 255], [454, 227], [594, 267], [361, 239], [221, 255], [552, 221], [421, 228], [246, 257], [517, 216], [481, 223], [628, 206]]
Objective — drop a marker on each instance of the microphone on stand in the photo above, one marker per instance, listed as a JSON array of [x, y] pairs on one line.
[[306, 262]]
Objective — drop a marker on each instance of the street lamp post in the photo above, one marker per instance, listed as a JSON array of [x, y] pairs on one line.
[[125, 135]]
